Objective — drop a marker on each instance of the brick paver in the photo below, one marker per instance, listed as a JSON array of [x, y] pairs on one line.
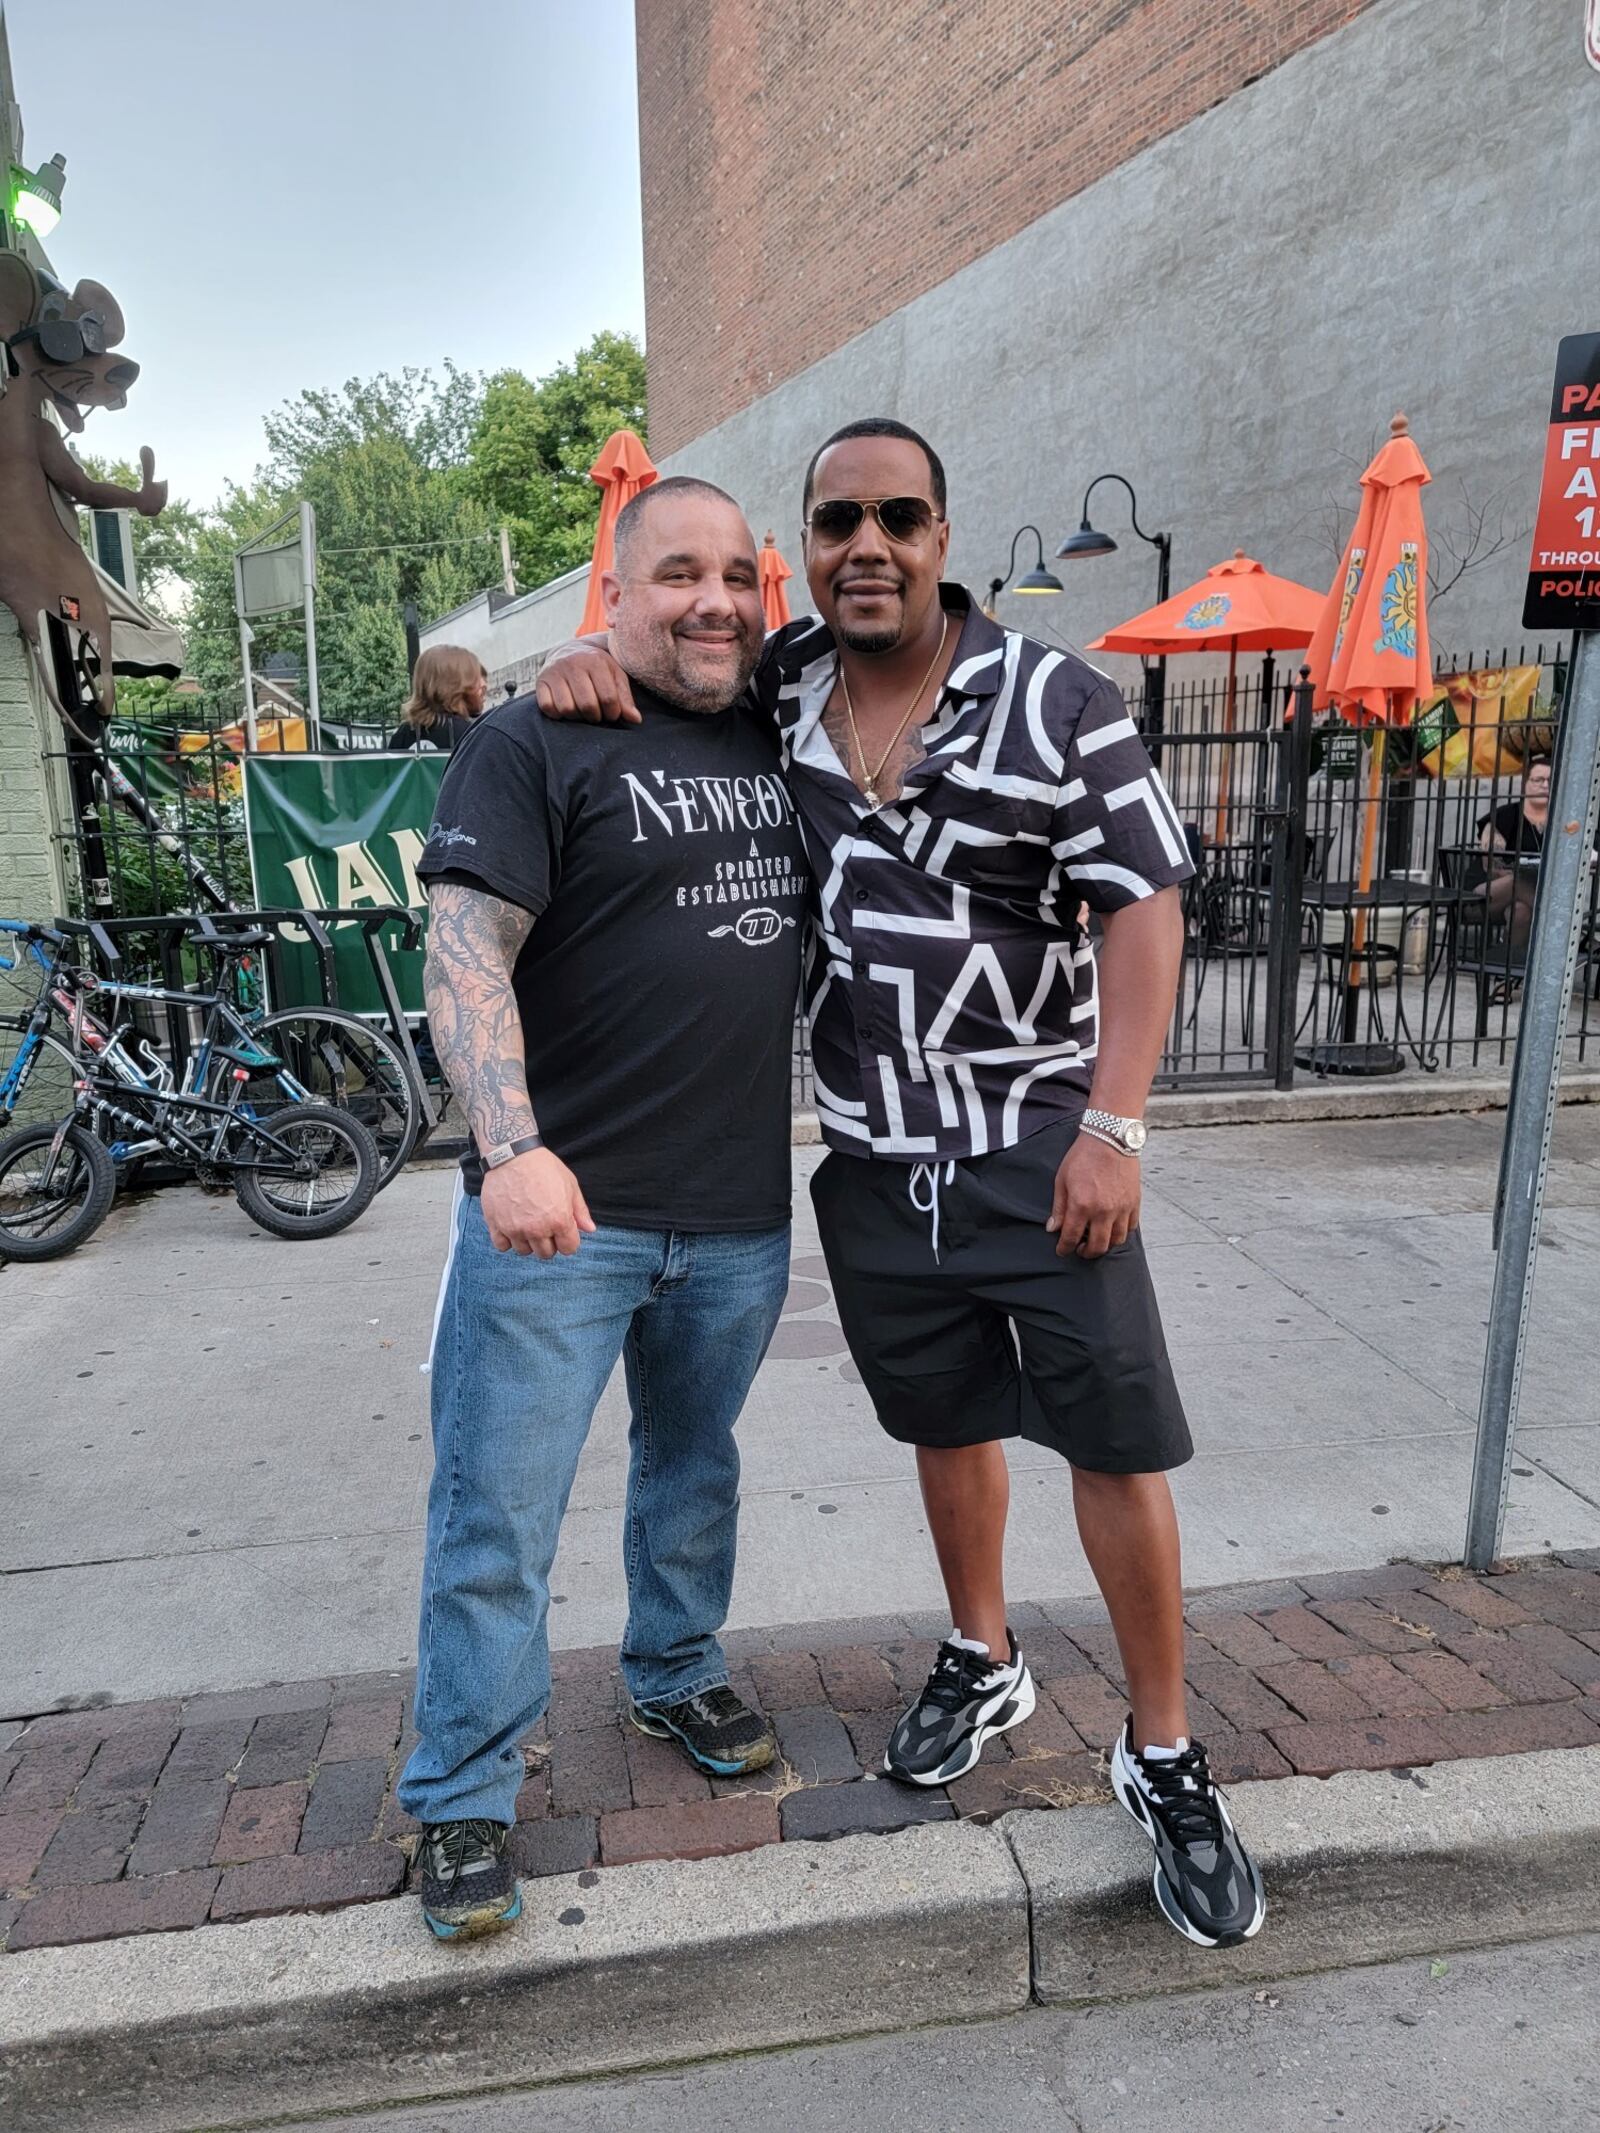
[[262, 1822], [157, 1816], [315, 1881], [816, 1746], [694, 1829], [91, 1844]]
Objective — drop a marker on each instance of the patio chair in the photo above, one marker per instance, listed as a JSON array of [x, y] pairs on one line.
[[1477, 941]]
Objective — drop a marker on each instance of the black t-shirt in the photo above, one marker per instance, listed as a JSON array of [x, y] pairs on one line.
[[445, 735], [1513, 828], [657, 989]]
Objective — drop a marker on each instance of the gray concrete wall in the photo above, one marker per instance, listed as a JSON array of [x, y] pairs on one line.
[[1400, 217], [511, 641]]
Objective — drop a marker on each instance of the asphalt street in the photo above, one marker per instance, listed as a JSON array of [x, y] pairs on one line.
[[1502, 2041]]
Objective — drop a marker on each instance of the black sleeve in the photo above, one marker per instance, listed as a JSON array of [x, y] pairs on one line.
[[767, 679], [500, 822]]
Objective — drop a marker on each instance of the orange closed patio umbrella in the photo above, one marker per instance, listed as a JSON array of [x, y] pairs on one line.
[[774, 573], [1369, 657], [1238, 606], [622, 471]]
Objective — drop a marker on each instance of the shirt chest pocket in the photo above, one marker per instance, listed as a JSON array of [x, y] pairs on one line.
[[989, 842]]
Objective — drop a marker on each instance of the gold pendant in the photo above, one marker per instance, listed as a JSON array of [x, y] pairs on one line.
[[871, 797]]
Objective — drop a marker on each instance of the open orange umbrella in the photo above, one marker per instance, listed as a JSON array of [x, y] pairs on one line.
[[1369, 658], [623, 469], [774, 572], [1238, 606]]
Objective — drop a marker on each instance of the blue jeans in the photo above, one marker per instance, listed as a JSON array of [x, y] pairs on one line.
[[521, 1356]]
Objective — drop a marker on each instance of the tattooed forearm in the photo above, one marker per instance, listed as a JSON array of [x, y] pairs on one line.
[[473, 943]]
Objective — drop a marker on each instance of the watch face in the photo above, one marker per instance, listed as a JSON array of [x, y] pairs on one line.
[[1135, 1134]]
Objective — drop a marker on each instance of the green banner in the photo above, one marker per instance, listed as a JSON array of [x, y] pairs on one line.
[[345, 830]]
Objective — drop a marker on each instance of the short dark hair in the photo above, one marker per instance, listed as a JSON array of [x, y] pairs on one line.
[[879, 426], [630, 519]]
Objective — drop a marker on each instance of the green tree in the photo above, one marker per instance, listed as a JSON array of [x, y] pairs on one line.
[[535, 441], [411, 478], [163, 547]]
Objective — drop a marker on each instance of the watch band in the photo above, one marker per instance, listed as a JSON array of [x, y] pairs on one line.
[[504, 1151], [1126, 1135]]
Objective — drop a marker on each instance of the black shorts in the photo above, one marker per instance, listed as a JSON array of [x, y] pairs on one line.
[[995, 1336]]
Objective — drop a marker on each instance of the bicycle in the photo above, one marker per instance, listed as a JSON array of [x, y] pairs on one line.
[[42, 1068], [332, 1055], [319, 1053], [304, 1170]]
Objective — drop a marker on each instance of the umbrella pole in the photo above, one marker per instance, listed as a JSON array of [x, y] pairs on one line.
[[1225, 775], [1369, 846]]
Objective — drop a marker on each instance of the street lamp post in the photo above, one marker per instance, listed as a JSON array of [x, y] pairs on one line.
[[1037, 580], [1088, 540]]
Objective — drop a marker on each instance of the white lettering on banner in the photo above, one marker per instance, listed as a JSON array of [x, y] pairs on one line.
[[408, 845], [696, 805], [359, 879], [1581, 484]]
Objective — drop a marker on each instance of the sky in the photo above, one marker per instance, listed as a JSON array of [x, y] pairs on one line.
[[290, 195]]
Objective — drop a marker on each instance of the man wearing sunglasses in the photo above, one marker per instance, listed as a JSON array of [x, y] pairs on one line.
[[981, 1077]]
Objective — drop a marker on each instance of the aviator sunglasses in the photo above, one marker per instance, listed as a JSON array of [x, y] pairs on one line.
[[902, 518]]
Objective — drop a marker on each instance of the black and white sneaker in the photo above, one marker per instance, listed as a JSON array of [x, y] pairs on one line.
[[1206, 1883], [469, 1885], [968, 1697]]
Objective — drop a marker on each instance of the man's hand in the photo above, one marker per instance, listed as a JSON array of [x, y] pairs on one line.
[[1096, 1201], [580, 679], [534, 1206]]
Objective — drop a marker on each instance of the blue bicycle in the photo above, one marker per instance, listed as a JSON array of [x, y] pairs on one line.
[[301, 1169]]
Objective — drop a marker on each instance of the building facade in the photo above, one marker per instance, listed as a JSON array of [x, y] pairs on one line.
[[1212, 248]]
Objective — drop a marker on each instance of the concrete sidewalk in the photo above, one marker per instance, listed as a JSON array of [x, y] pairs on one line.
[[216, 1457]]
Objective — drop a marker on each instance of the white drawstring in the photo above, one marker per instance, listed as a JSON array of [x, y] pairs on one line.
[[928, 1174]]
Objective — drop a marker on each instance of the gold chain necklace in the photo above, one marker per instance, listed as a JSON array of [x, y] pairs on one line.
[[871, 776]]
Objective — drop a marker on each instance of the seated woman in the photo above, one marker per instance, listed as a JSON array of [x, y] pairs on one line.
[[1513, 832], [447, 694]]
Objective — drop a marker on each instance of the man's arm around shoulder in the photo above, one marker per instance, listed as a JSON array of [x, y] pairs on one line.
[[533, 1205]]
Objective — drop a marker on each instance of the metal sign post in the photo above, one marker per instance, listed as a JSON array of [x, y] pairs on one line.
[[1563, 585], [308, 579]]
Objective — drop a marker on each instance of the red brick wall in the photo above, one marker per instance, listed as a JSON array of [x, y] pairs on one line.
[[809, 168]]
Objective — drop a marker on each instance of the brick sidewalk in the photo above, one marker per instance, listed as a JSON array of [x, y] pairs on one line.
[[142, 1818]]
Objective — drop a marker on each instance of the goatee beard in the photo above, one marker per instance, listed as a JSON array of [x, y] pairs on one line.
[[869, 641]]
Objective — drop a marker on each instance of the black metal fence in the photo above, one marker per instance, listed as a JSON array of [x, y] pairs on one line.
[[1290, 966], [1362, 900]]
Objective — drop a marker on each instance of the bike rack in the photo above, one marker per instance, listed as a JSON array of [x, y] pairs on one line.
[[172, 929]]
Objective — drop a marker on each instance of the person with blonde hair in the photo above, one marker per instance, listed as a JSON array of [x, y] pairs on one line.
[[447, 694]]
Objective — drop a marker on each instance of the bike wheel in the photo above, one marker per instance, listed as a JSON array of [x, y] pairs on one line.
[[339, 1059], [49, 1084], [52, 1197], [334, 1178]]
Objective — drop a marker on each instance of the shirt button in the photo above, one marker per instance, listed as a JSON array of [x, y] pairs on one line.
[[863, 896]]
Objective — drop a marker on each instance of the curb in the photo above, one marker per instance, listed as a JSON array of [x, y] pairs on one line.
[[649, 1965], [1365, 1867], [1429, 1096]]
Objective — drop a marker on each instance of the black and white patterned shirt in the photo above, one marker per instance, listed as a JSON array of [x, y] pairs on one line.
[[952, 1000]]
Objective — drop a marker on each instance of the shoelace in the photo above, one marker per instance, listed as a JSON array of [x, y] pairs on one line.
[[956, 1674], [1188, 1800], [718, 1707], [451, 1843]]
